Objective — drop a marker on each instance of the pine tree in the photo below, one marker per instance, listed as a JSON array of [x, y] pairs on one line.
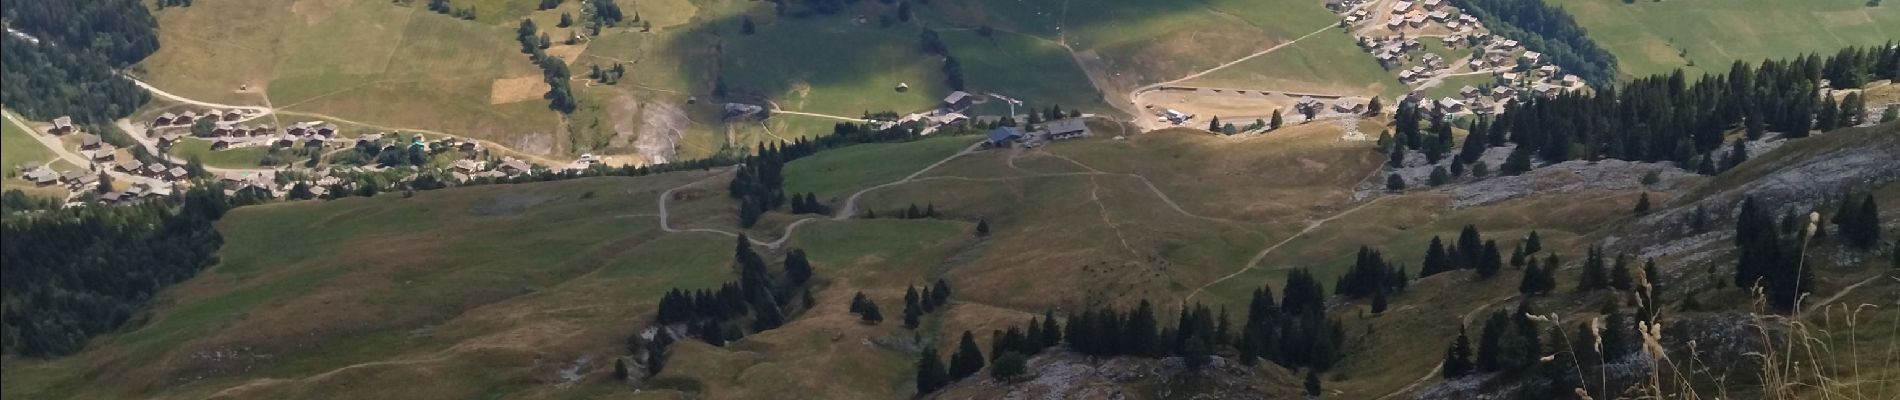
[[1439, 176], [1491, 262], [1620, 274], [940, 294], [1276, 121], [1642, 204], [871, 315], [982, 227], [913, 311], [1396, 158], [857, 303], [1488, 351], [930, 372], [1533, 244], [1436, 260], [1009, 366], [1737, 155], [1865, 223], [1517, 256], [1394, 183], [1213, 125], [968, 359], [1378, 301], [1458, 357], [1829, 116]]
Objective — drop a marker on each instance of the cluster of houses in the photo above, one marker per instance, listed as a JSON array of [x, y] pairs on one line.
[[466, 170], [1341, 105], [42, 175], [191, 117], [1061, 129], [1350, 8], [1418, 14], [84, 181]]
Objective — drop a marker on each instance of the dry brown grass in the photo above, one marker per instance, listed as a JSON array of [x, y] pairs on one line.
[[521, 88]]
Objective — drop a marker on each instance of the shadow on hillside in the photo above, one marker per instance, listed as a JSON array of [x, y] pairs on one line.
[[854, 60]]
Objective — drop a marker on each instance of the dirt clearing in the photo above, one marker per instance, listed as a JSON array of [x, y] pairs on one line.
[[509, 90]]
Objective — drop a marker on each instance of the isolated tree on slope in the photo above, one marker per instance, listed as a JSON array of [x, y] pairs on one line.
[[1458, 357]]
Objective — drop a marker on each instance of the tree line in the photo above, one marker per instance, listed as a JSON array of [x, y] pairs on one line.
[[443, 7], [952, 69], [1548, 29], [553, 70], [73, 273], [1668, 118], [1295, 333], [72, 67], [1547, 359]]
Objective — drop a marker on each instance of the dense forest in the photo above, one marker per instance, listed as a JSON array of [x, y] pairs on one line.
[[1548, 29], [73, 273], [63, 60]]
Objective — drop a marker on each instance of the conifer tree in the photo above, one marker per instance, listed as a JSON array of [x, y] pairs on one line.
[[1491, 262], [857, 303], [1378, 301], [968, 359], [1620, 277], [1436, 260], [1533, 244], [1642, 204], [930, 372], [1529, 285], [1394, 183], [1009, 366], [871, 314], [940, 294], [1863, 229], [982, 227], [1488, 351], [1276, 121], [1458, 357], [1517, 256], [913, 311]]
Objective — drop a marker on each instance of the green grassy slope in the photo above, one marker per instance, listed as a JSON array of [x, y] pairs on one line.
[[366, 61], [17, 146], [1326, 63], [1707, 35], [836, 173], [247, 157]]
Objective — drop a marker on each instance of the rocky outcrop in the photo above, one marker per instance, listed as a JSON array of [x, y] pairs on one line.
[[1065, 375]]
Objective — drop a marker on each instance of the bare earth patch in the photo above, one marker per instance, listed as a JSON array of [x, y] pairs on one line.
[[509, 90], [567, 53]]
